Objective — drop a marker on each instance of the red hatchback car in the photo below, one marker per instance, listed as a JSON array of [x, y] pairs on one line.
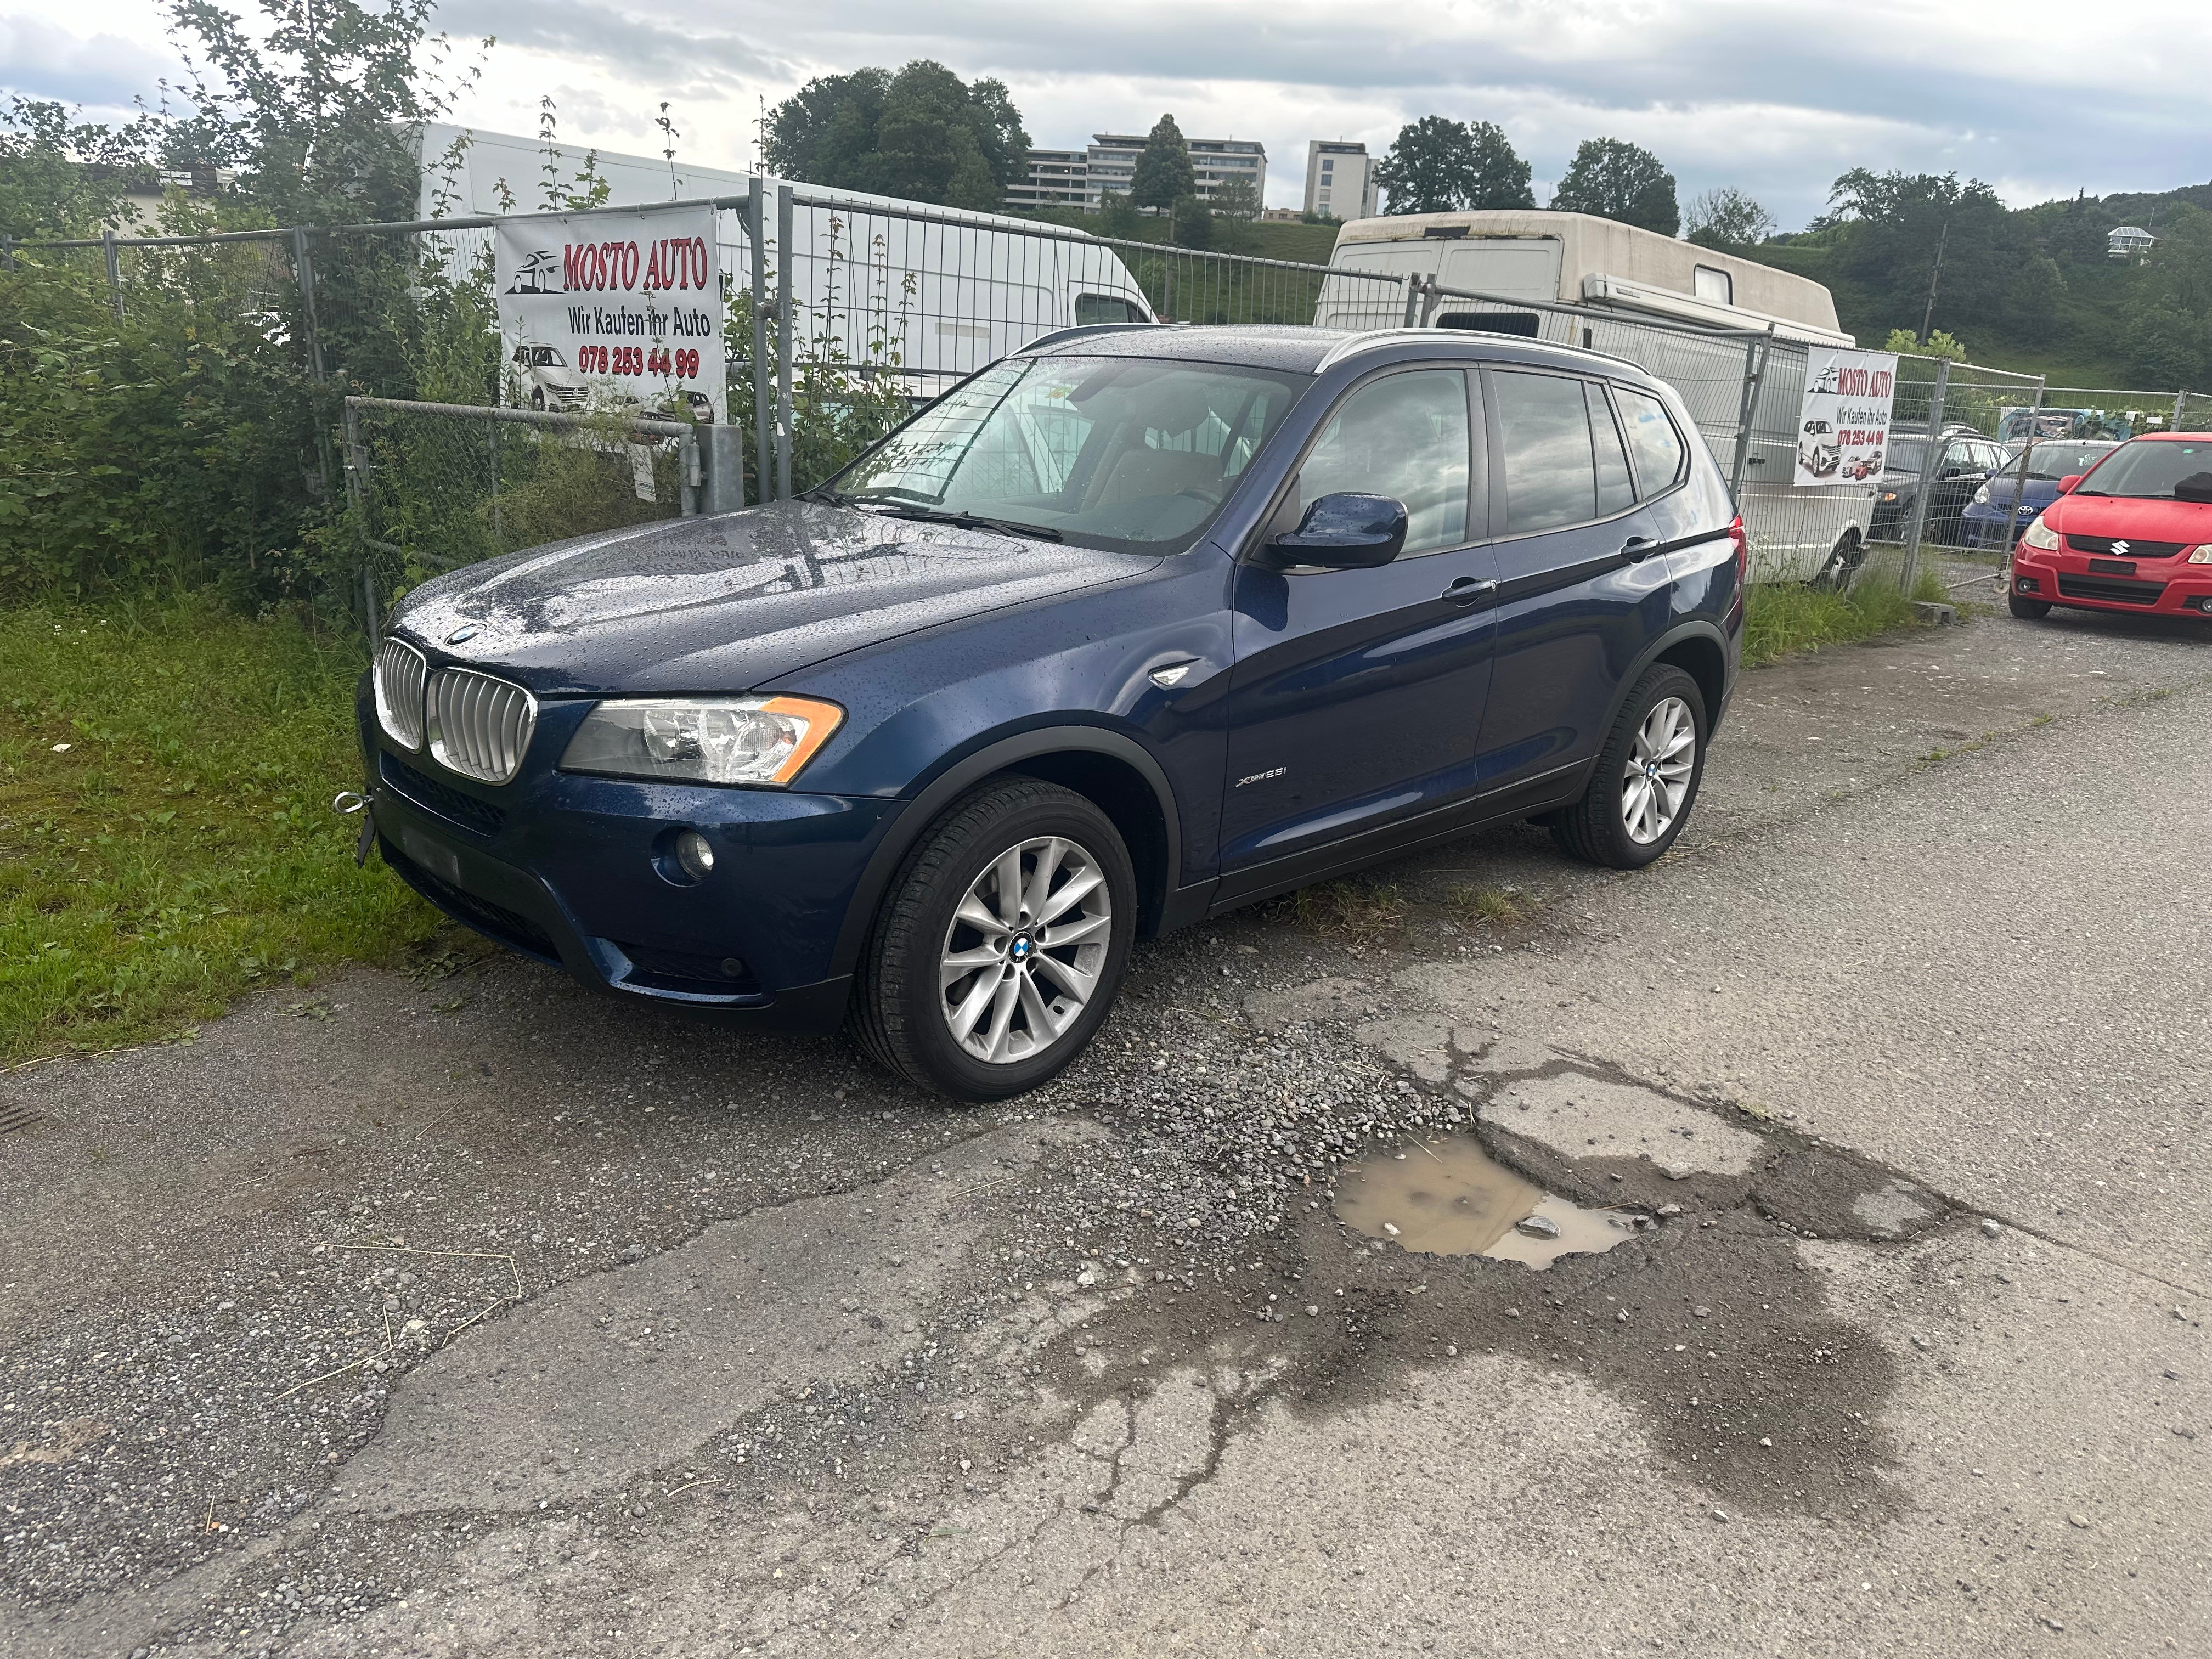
[[2133, 533]]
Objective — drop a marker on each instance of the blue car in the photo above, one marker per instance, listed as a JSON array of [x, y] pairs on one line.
[[1137, 625], [1994, 520]]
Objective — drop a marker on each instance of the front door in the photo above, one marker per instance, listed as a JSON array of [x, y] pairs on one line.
[[1356, 697]]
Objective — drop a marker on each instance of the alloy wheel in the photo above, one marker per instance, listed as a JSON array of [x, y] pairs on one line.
[[1656, 778], [1022, 957]]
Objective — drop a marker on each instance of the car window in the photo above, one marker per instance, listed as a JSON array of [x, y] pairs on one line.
[[1544, 428], [1615, 494], [1404, 435], [1656, 446], [1134, 453], [1094, 308]]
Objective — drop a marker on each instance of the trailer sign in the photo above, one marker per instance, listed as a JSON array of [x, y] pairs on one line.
[[612, 311], [1843, 421]]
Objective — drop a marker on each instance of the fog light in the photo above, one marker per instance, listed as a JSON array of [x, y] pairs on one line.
[[693, 856], [2026, 584]]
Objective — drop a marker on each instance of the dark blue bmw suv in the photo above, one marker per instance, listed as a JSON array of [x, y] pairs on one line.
[[1133, 627]]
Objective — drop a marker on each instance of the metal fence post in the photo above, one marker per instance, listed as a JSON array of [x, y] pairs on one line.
[[1756, 351], [2180, 409], [1414, 286], [786, 318], [763, 421], [690, 482], [114, 270], [1931, 456]]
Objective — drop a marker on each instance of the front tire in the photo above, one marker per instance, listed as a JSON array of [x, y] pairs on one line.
[[2026, 609], [1001, 943], [1646, 782], [1842, 566]]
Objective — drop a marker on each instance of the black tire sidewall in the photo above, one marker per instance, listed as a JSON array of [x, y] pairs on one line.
[[1018, 811], [2027, 610]]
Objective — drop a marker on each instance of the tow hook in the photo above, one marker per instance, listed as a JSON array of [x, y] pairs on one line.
[[347, 803]]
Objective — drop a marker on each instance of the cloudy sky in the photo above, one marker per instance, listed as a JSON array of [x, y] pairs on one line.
[[2039, 99]]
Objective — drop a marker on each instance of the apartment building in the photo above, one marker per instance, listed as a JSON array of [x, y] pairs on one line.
[[1340, 180], [1079, 178]]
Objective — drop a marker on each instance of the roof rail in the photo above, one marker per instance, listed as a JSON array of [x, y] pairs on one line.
[[1083, 331]]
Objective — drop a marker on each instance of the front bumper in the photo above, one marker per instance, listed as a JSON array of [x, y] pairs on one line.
[[2157, 587], [1994, 528], [575, 870]]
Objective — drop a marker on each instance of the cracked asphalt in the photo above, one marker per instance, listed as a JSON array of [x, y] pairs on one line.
[[464, 1313]]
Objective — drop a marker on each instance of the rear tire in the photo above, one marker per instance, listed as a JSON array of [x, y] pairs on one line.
[[1001, 942], [2026, 609], [1640, 793], [1842, 566]]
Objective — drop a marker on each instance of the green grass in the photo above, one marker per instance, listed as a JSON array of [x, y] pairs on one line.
[[1485, 904], [181, 849], [1783, 619]]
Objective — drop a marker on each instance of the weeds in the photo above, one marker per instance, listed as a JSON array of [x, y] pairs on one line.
[[166, 842], [1781, 618], [1359, 910], [1486, 903]]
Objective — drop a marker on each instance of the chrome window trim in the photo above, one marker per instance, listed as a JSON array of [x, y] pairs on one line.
[[489, 737]]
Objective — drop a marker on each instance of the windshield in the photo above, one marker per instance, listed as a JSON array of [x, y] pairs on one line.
[[1129, 453], [2059, 460], [545, 357], [1905, 454], [2148, 469]]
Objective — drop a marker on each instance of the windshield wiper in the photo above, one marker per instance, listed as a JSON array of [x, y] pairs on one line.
[[826, 495], [966, 522]]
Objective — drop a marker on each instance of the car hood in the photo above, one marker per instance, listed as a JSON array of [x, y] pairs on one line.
[[732, 602], [2188, 522]]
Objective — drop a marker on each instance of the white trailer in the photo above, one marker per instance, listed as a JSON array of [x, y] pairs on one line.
[[1697, 318]]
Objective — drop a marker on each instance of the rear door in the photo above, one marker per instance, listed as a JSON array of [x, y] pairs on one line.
[[1357, 697], [1583, 584]]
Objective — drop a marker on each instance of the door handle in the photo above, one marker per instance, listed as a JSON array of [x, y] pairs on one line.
[[1639, 547], [1469, 589]]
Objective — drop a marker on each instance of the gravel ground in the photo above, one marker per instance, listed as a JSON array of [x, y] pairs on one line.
[[468, 1312]]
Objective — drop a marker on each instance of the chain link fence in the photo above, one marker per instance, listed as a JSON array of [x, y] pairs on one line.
[[844, 314]]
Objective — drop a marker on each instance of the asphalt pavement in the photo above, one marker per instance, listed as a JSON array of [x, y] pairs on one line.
[[461, 1311]]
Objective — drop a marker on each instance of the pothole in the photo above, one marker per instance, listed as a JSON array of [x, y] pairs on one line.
[[1446, 1196]]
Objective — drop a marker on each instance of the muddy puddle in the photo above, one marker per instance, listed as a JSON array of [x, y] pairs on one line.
[[1445, 1196]]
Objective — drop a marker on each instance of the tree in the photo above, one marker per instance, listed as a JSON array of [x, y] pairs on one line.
[[311, 103], [923, 135], [1937, 345], [1427, 166], [1163, 172], [1192, 222], [61, 177], [1117, 214], [1499, 178], [1892, 229], [1615, 180], [1436, 165], [1727, 219], [1235, 205]]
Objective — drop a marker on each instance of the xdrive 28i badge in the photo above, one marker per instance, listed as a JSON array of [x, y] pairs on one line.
[[1261, 777]]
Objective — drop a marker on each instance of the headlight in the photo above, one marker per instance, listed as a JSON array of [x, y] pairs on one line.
[[1889, 495], [2201, 554], [760, 740], [2038, 537], [1982, 496]]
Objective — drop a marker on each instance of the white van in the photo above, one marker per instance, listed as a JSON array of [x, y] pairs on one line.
[[944, 293], [1681, 311]]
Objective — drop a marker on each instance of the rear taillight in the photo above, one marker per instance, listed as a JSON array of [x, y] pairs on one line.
[[1742, 549]]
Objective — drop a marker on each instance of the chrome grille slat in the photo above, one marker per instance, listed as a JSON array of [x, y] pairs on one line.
[[398, 680], [480, 727]]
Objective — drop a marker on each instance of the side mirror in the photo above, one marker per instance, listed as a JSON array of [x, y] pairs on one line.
[[2066, 485], [1344, 531]]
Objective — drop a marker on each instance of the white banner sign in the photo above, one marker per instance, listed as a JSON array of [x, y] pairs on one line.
[[1843, 427], [614, 312]]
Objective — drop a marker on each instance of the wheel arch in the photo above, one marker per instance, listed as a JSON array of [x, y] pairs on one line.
[[1108, 767]]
